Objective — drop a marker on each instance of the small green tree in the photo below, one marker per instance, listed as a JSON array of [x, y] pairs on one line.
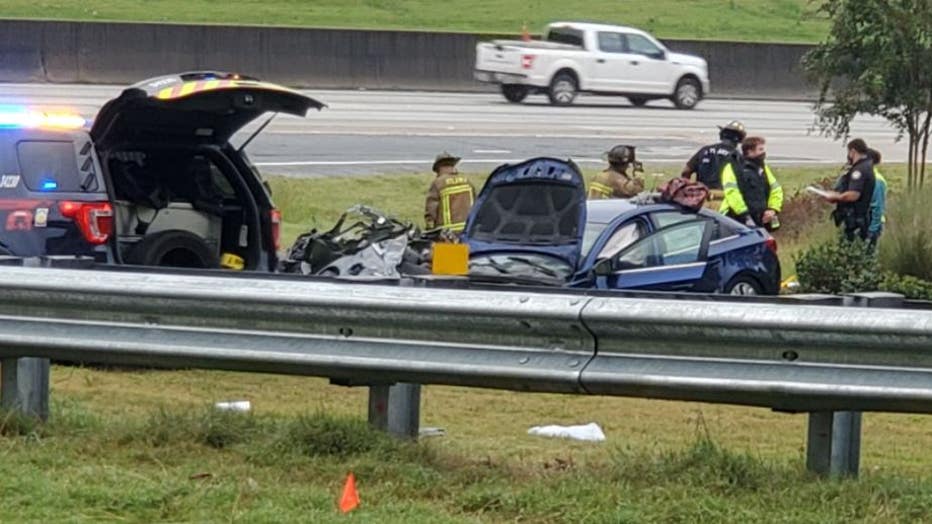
[[877, 60]]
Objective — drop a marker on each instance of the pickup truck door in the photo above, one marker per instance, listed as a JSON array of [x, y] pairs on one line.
[[612, 71], [650, 70]]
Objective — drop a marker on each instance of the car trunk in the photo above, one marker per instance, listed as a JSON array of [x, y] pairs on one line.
[[165, 145], [537, 207]]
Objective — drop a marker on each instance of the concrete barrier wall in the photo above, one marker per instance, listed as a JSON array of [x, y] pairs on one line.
[[122, 53]]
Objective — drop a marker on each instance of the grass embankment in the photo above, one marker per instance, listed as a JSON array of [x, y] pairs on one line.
[[115, 451], [755, 20]]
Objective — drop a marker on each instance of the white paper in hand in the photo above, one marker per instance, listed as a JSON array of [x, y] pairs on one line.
[[818, 191], [590, 432]]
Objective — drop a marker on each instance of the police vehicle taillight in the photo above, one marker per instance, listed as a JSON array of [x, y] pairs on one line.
[[94, 219]]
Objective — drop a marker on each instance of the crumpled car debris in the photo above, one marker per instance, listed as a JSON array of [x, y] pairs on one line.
[[364, 242]]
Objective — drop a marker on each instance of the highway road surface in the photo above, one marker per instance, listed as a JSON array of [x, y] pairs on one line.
[[369, 132]]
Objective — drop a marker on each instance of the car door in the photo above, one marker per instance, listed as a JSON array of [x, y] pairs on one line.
[[612, 70], [648, 67], [673, 258]]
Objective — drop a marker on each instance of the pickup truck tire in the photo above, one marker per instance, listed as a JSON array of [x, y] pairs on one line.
[[515, 93], [563, 89], [638, 101], [173, 249], [687, 94]]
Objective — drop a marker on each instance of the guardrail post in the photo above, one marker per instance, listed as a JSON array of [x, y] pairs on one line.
[[834, 445], [24, 381], [24, 386], [396, 409]]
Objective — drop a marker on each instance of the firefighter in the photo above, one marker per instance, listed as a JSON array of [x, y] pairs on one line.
[[752, 194], [450, 196], [615, 181], [710, 160], [854, 192]]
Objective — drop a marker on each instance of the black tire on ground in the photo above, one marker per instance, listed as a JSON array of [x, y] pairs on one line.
[[173, 249], [743, 285], [687, 94], [515, 93], [638, 101], [563, 89]]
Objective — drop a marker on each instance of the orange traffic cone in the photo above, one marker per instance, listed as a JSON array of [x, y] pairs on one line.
[[525, 35], [350, 498]]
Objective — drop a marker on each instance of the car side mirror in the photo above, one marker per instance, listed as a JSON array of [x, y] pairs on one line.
[[604, 267], [660, 55]]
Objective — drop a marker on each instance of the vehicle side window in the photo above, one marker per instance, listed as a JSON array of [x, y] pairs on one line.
[[640, 45], [612, 43], [663, 219], [622, 238], [566, 35], [49, 165], [678, 244]]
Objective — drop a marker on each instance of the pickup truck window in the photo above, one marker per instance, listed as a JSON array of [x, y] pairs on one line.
[[612, 43], [637, 44], [566, 35]]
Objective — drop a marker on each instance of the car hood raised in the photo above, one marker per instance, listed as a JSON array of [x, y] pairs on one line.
[[202, 107], [537, 206]]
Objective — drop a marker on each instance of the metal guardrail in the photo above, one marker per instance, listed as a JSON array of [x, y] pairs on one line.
[[791, 357]]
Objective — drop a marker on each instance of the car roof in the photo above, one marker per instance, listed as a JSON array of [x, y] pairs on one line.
[[607, 210], [604, 211], [589, 26]]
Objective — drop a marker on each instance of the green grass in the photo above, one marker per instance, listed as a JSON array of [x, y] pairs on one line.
[[749, 20], [142, 446]]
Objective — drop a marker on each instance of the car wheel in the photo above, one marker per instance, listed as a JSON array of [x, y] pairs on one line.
[[173, 249], [743, 285], [688, 93], [638, 101], [563, 89], [515, 93]]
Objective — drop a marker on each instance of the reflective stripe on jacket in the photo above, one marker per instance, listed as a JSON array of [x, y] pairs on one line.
[[734, 200], [449, 200]]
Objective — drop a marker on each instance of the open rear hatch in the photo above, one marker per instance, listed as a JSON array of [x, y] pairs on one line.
[[535, 207], [203, 107]]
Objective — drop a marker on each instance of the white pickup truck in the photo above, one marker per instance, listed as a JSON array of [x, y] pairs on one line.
[[595, 58]]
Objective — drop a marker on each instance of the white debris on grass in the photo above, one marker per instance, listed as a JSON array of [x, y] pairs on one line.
[[591, 432]]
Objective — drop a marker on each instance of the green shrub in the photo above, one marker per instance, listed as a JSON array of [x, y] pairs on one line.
[[906, 285], [905, 247], [838, 267]]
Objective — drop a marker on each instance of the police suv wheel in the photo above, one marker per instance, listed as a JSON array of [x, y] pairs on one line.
[[514, 93], [688, 93], [563, 90]]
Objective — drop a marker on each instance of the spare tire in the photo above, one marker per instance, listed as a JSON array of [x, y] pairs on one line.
[[173, 249]]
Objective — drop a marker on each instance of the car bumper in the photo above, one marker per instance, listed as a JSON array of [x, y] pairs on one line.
[[493, 77]]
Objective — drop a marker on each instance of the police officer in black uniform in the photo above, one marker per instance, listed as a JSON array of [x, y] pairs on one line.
[[710, 160], [852, 197]]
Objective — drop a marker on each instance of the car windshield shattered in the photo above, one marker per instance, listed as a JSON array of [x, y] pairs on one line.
[[520, 264]]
